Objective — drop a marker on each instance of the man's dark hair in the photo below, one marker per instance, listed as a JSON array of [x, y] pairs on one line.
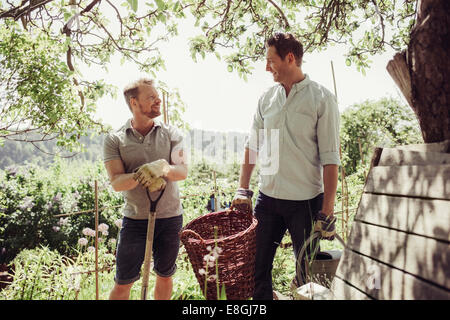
[[285, 43]]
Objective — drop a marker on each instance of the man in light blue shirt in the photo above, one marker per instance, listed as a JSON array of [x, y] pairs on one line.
[[295, 136]]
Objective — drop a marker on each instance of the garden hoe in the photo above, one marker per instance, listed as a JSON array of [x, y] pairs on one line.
[[149, 243]]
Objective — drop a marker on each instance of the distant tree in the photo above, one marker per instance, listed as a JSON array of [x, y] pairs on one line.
[[381, 123]]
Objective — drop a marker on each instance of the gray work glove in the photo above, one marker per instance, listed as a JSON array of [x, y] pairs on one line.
[[325, 225], [242, 200]]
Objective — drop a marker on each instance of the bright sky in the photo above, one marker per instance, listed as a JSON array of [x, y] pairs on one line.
[[218, 100]]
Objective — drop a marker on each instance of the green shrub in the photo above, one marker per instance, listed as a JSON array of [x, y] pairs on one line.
[[31, 197]]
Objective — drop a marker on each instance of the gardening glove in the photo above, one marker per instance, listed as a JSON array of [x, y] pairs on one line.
[[325, 225], [156, 184], [149, 172], [242, 201]]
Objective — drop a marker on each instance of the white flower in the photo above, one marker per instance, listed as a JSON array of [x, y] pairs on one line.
[[208, 248], [75, 277], [201, 271], [89, 232], [27, 203], [55, 228], [63, 221], [91, 249], [102, 227], [118, 223], [212, 277], [82, 241], [105, 233]]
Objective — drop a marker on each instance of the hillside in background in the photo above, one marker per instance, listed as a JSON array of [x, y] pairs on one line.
[[203, 144]]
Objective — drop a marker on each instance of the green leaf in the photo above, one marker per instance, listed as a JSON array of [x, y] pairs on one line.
[[67, 16], [177, 5], [223, 295], [133, 4], [162, 17], [161, 5], [348, 62]]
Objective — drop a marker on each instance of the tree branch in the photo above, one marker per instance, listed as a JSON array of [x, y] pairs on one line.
[[20, 10], [286, 22]]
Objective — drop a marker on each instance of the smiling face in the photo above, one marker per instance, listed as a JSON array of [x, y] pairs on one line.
[[147, 102], [276, 65]]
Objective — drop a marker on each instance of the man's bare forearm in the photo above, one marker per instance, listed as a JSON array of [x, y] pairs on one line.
[[247, 168], [177, 172], [330, 181], [120, 181], [123, 182]]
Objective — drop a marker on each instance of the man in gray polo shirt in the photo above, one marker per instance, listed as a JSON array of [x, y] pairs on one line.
[[299, 159], [143, 140]]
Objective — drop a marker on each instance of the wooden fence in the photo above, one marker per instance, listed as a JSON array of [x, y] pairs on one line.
[[399, 244]]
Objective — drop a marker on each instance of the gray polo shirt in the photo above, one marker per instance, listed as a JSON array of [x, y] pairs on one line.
[[134, 150], [301, 134]]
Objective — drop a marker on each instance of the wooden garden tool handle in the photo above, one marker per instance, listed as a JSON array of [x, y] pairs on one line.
[[149, 243], [148, 254]]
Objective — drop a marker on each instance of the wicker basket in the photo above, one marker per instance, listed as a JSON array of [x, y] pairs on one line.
[[234, 233]]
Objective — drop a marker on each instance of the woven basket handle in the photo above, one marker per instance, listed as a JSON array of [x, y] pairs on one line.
[[187, 234]]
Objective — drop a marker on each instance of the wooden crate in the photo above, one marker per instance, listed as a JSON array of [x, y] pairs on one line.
[[399, 244]]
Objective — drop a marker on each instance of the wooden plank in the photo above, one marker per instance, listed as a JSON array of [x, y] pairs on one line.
[[427, 217], [424, 257], [428, 181], [343, 291], [443, 146], [399, 71], [383, 282], [399, 157]]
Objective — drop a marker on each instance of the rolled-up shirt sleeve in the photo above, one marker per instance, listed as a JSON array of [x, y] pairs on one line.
[[179, 154], [328, 131]]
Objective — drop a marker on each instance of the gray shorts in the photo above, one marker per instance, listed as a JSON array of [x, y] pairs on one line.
[[131, 248]]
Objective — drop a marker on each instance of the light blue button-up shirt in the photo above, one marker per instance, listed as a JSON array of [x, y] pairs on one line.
[[295, 137]]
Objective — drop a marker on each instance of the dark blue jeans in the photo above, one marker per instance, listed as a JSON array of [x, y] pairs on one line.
[[131, 248], [275, 216]]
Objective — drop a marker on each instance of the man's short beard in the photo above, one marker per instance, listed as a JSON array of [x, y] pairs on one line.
[[152, 114]]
